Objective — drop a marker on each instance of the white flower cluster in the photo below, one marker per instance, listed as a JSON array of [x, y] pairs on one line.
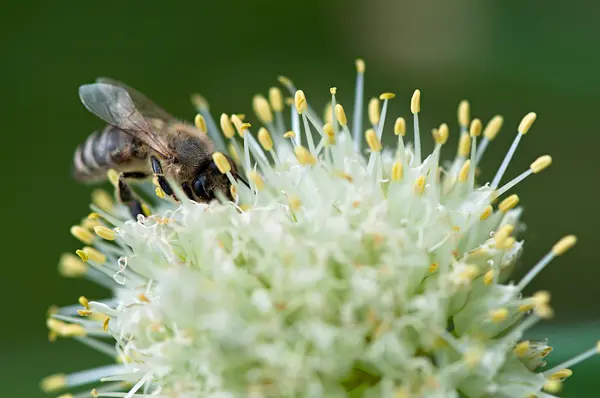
[[334, 274]]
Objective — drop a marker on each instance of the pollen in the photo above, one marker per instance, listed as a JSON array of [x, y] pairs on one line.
[[487, 211], [71, 266], [508, 203], [464, 145], [441, 134], [221, 161], [564, 245], [82, 234], [300, 101], [94, 255], [200, 123], [527, 122], [540, 163], [226, 126], [84, 302], [464, 171], [82, 255], [386, 96], [105, 233], [464, 114], [415, 102], [329, 133], [475, 129], [276, 99], [498, 315], [256, 179], [304, 156], [397, 171], [105, 324], [502, 234], [493, 127], [262, 109], [373, 141], [265, 139], [340, 115], [54, 383], [400, 127], [419, 187], [374, 111]]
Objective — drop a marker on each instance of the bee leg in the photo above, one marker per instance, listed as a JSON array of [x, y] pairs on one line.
[[126, 195], [162, 181]]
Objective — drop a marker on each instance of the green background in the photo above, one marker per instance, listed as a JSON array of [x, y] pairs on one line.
[[507, 57]]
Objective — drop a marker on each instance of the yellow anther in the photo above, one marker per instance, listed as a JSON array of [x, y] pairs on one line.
[[328, 115], [234, 153], [373, 141], [493, 127], [541, 297], [200, 123], [146, 210], [544, 311], [564, 244], [113, 177], [93, 216], [526, 307], [233, 191], [463, 174], [329, 133], [333, 90], [508, 243], [464, 145], [340, 115], [441, 135], [304, 156], [256, 179], [397, 171], [522, 348], [199, 101], [294, 202], [226, 126], [386, 96], [527, 122], [94, 393], [265, 139], [71, 267], [159, 192], [289, 101], [240, 126], [509, 203], [360, 65], [103, 200], [464, 114], [90, 224], [415, 102], [419, 185], [105, 324], [84, 302], [374, 111], [105, 233], [489, 276], [82, 255], [54, 383], [475, 129], [498, 315], [84, 312], [552, 386], [561, 374], [262, 109], [486, 212], [300, 101], [94, 255], [82, 234], [433, 267], [290, 134], [541, 163], [400, 127], [469, 273], [222, 163], [276, 99], [503, 233], [285, 81]]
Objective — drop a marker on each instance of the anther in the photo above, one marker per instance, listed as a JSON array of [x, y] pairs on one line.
[[540, 163], [561, 374], [84, 302], [420, 185], [489, 276], [276, 99], [71, 267], [475, 129], [265, 139], [300, 101], [290, 134], [262, 109], [360, 65], [509, 203], [105, 233], [503, 233], [159, 192], [400, 127], [333, 90], [463, 114], [498, 315], [200, 123], [373, 141], [226, 126], [397, 171], [415, 102], [486, 212], [54, 383], [374, 111], [522, 349], [527, 122], [329, 133], [464, 145], [94, 255], [386, 96], [222, 164], [493, 127], [82, 234], [102, 199], [441, 134], [464, 171], [113, 177], [340, 115], [256, 179], [564, 244], [304, 156]]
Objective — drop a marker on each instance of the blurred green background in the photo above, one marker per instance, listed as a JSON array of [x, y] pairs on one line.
[[507, 57]]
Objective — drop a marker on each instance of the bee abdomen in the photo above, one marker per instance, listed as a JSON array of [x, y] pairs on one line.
[[110, 148]]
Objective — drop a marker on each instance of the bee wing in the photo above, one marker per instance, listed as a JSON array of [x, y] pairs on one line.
[[146, 107], [114, 105]]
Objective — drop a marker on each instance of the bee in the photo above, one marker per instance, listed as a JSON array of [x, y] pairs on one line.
[[142, 141]]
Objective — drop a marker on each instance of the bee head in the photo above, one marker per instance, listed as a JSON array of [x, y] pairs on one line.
[[209, 180]]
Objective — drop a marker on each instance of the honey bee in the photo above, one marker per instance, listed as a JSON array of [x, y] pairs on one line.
[[142, 140]]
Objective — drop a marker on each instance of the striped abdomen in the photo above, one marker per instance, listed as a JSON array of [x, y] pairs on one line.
[[110, 148]]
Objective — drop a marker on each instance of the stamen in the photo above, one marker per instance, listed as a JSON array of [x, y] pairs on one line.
[[329, 133], [340, 115], [524, 127], [415, 108], [508, 203], [300, 101], [441, 134], [400, 127], [464, 171], [498, 315], [82, 234], [489, 133], [276, 99], [464, 145], [103, 200], [200, 123], [221, 161], [226, 126], [397, 171], [486, 212], [561, 374], [262, 109], [575, 360], [522, 349], [385, 97], [489, 276], [304, 156], [257, 180], [502, 234], [265, 139], [537, 166], [419, 186], [373, 141], [54, 383], [560, 248], [94, 255], [72, 267], [358, 104], [464, 115], [374, 112], [105, 233]]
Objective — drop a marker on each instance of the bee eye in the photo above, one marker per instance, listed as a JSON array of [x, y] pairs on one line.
[[198, 187]]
